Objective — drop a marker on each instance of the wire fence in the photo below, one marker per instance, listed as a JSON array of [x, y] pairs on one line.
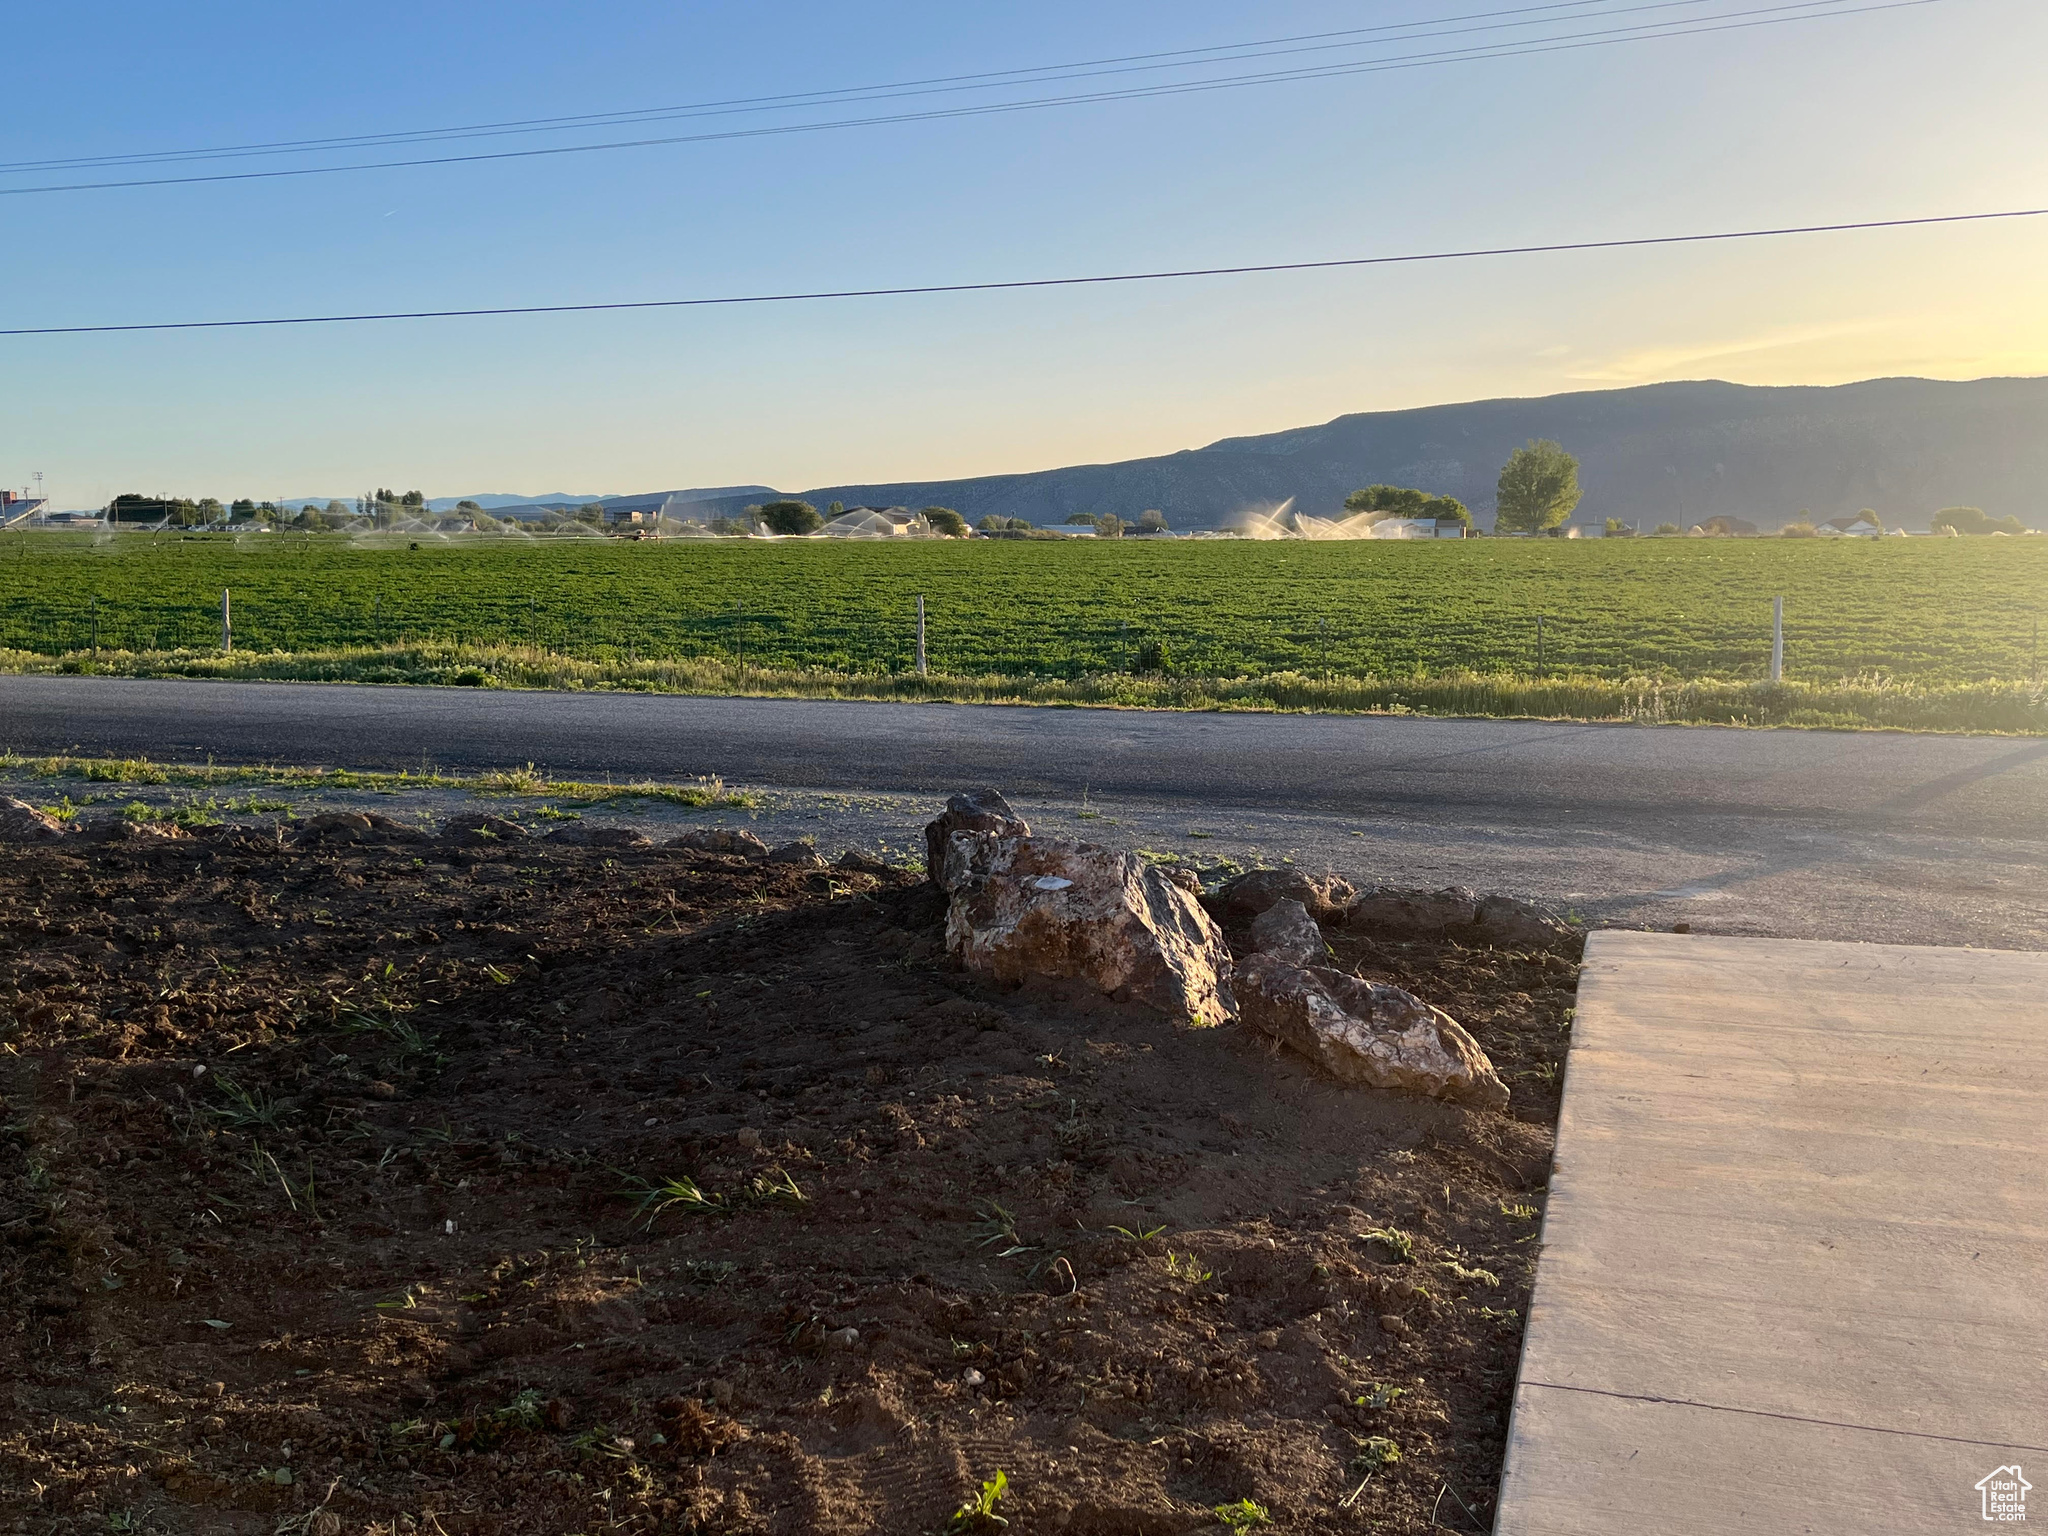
[[883, 641]]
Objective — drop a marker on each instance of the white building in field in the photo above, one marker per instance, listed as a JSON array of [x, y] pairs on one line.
[[1417, 528]]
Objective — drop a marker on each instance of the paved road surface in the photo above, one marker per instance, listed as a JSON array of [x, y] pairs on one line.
[[1921, 839], [1790, 1277]]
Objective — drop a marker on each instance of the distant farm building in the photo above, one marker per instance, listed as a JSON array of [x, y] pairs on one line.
[[20, 509]]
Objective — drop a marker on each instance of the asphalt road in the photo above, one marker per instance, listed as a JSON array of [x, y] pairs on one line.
[[1882, 836]]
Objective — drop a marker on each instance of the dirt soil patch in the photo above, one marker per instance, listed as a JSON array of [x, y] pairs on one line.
[[370, 1182]]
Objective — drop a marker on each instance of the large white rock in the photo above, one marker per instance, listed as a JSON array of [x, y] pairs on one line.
[[1025, 909], [1366, 1031]]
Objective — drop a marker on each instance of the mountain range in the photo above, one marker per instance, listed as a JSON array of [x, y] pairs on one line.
[[1654, 453]]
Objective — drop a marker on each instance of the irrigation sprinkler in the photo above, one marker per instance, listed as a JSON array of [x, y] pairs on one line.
[[227, 624], [1777, 639]]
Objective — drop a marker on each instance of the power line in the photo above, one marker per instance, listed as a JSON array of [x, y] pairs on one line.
[[1034, 75], [1633, 242], [1761, 17]]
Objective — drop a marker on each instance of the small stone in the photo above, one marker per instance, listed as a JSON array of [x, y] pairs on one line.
[[843, 1338], [722, 840], [1269, 1339], [971, 1377], [748, 1138], [382, 1090], [1286, 931], [721, 1391], [1394, 1323], [1681, 927], [801, 853]]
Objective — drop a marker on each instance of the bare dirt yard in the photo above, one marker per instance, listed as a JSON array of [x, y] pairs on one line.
[[368, 1181]]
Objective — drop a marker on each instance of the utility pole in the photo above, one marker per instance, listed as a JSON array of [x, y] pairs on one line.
[[1777, 639]]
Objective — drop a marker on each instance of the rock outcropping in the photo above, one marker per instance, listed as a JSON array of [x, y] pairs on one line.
[[980, 810], [1023, 909], [1366, 1031]]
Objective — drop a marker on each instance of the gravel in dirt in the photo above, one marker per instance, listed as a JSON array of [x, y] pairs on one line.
[[364, 1181]]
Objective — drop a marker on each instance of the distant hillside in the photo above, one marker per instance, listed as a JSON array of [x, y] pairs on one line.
[[1656, 453]]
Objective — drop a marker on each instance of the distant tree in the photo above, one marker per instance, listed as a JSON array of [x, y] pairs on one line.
[[1152, 520], [336, 511], [1973, 520], [730, 527], [468, 506], [242, 511], [1538, 489], [1110, 526], [945, 520], [1871, 518], [835, 509], [1615, 528], [1667, 530], [1798, 530], [1389, 500], [1077, 518], [413, 499], [791, 517], [1400, 501]]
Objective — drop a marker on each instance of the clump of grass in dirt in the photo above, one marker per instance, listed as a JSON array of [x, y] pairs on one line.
[[682, 1193], [1244, 1515]]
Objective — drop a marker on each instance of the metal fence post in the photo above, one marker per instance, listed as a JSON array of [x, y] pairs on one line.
[[227, 624], [1777, 639], [920, 635]]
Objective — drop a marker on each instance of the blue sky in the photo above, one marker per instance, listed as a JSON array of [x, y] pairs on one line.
[[1924, 110]]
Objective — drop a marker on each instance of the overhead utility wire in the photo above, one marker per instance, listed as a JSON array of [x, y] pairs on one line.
[[1633, 242], [1035, 75], [1571, 42]]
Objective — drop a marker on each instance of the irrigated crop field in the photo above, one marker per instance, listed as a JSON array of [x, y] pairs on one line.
[[1926, 611]]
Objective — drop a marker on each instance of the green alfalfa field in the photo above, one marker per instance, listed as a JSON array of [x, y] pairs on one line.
[[1912, 633]]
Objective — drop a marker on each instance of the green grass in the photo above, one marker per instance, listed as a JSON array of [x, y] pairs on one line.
[[704, 794], [1934, 634]]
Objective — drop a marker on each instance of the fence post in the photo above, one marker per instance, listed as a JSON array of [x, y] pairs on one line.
[[95, 604], [1777, 639], [227, 624], [920, 635], [1539, 645]]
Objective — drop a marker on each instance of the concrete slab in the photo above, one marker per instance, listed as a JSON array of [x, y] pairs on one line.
[[1793, 1270]]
